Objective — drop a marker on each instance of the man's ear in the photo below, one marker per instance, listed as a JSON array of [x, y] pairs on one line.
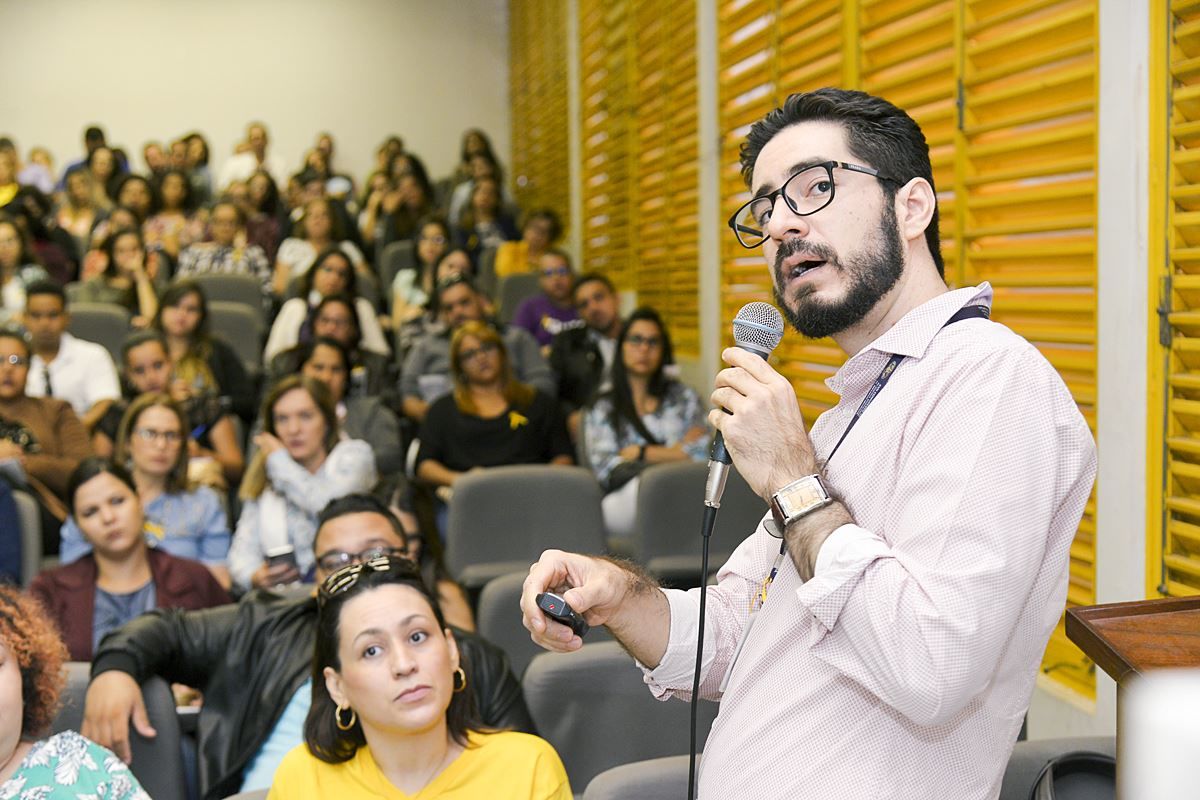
[[915, 204]]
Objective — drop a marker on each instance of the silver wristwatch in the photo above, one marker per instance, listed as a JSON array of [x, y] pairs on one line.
[[798, 498]]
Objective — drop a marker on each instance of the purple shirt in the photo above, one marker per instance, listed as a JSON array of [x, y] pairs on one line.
[[541, 317]]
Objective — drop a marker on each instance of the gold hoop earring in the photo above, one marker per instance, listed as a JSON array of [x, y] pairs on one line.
[[337, 718], [460, 682]]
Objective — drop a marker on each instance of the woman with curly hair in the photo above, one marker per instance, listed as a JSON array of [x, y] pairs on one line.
[[31, 683]]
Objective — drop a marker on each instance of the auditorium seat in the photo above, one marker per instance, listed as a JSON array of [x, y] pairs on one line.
[[655, 779], [1030, 758], [243, 328], [596, 710], [106, 324], [502, 518], [225, 287], [31, 536], [393, 258], [512, 290]]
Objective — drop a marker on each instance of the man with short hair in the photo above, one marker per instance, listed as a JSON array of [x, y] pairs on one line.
[[551, 311], [155, 158], [582, 356], [253, 663], [71, 369], [250, 158], [93, 138], [426, 373], [915, 559]]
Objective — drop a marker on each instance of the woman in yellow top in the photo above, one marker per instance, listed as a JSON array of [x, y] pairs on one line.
[[541, 231], [389, 717]]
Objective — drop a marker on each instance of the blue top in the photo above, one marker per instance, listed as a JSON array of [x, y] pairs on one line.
[[287, 733], [111, 611], [187, 525]]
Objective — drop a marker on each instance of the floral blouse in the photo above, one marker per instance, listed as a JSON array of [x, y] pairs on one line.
[[69, 766], [678, 412]]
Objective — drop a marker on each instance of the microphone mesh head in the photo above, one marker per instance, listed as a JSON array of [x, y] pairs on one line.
[[758, 326]]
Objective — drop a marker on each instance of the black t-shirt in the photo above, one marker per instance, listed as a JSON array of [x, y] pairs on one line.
[[459, 441]]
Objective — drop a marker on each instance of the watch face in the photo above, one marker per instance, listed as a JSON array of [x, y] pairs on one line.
[[806, 495]]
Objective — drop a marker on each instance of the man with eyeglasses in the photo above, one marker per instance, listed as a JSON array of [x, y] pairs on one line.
[[42, 436], [551, 311], [879, 634], [253, 663], [425, 375], [71, 369]]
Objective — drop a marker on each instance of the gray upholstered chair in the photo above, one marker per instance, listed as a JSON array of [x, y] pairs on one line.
[[157, 763], [393, 258], [594, 707], [243, 328], [30, 519], [511, 291], [498, 619], [106, 324], [655, 779], [670, 505], [1029, 759], [502, 518], [231, 287]]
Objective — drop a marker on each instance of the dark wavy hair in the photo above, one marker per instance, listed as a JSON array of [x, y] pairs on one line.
[[624, 410], [344, 300], [91, 467], [111, 269], [188, 204], [32, 638], [306, 280], [325, 741], [133, 177], [877, 133]]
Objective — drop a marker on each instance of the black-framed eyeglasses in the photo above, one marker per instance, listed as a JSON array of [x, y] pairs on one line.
[[334, 560], [806, 192], [342, 580]]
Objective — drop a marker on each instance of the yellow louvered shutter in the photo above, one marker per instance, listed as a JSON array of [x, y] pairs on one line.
[[1029, 212], [538, 94], [605, 88], [665, 187], [1176, 539]]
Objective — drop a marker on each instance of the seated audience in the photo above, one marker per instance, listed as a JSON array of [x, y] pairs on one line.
[[362, 740], [363, 417], [207, 364], [481, 166], [82, 206], [122, 577], [426, 373], [105, 170], [96, 259], [253, 663], [265, 214], [455, 262], [251, 156], [582, 357], [93, 138], [412, 287], [19, 267], [318, 228], [32, 678], [176, 226], [547, 314], [541, 231], [75, 370], [155, 158], [647, 418], [42, 434], [371, 373], [485, 223], [331, 274], [227, 251], [490, 419], [301, 465], [213, 450], [410, 202], [137, 194], [185, 521], [126, 279]]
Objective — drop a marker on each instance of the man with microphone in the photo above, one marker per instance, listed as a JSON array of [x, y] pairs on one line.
[[914, 560]]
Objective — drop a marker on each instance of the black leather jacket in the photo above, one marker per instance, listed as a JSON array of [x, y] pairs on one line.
[[576, 360], [250, 658]]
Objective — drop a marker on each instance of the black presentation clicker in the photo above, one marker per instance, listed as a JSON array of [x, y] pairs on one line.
[[553, 606]]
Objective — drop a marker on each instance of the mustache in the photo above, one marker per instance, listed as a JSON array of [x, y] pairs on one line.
[[794, 247]]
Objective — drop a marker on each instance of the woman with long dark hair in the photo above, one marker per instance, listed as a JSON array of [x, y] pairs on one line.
[[389, 715], [648, 417], [126, 279]]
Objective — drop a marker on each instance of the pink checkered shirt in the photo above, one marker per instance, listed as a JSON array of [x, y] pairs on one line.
[[904, 667]]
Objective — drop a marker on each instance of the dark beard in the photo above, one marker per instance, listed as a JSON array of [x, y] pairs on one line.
[[872, 272]]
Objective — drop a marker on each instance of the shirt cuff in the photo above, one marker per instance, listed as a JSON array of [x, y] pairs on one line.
[[675, 670], [844, 556]]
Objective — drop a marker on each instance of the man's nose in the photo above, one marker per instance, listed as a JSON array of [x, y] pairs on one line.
[[785, 223]]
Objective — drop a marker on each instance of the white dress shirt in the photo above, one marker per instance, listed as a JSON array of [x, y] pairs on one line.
[[82, 373], [904, 667]]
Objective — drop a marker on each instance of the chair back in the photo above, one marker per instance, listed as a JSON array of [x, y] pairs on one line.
[[655, 779], [30, 520], [231, 287], [106, 324], [242, 328], [512, 291], [72, 291], [394, 257], [485, 271], [1031, 766], [498, 618], [501, 519], [158, 762], [670, 507], [594, 707]]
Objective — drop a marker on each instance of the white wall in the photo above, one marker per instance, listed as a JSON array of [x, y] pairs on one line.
[[361, 69]]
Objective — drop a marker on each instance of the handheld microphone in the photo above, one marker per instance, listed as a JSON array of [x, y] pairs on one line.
[[758, 327]]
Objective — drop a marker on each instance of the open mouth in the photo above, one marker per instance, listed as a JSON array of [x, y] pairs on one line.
[[800, 268]]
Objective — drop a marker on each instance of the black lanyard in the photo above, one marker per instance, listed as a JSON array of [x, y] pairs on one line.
[[966, 312]]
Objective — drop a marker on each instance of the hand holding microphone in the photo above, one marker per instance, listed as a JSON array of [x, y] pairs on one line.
[[757, 417]]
